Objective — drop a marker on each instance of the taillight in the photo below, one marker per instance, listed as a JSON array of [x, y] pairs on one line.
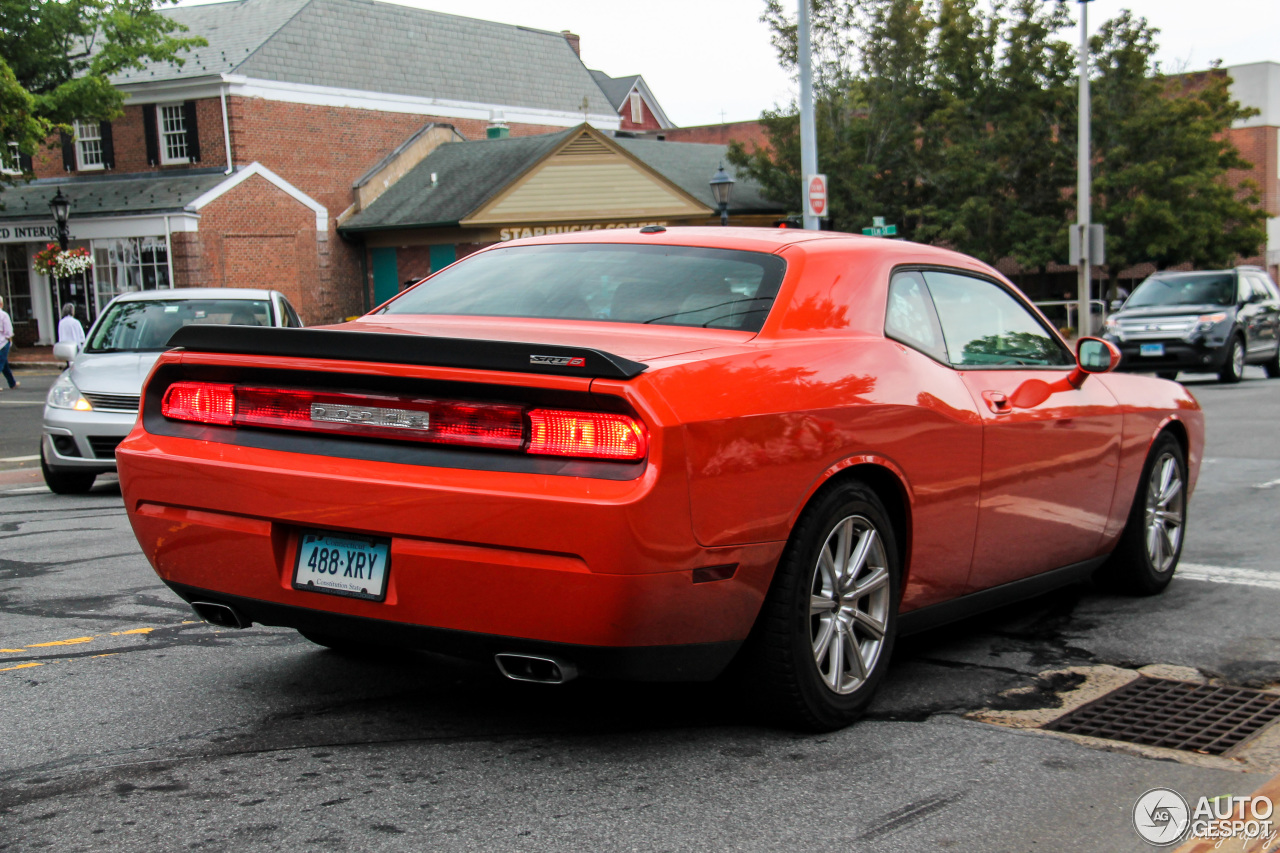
[[599, 435], [550, 432], [203, 402]]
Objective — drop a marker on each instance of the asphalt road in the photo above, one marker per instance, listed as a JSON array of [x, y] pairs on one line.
[[126, 724]]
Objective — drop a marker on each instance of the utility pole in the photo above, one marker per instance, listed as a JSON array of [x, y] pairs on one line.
[[808, 133], [1083, 183]]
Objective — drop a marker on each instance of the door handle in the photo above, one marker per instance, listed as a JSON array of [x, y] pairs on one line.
[[997, 402]]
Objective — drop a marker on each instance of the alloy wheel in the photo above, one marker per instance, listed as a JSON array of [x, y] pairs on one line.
[[1237, 359], [1165, 512], [849, 604]]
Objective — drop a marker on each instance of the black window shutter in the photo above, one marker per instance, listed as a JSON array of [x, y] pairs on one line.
[[108, 145], [68, 152], [193, 130], [152, 134], [25, 164]]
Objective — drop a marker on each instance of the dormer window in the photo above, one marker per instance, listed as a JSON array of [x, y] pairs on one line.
[[637, 108], [10, 160], [173, 134], [88, 146]]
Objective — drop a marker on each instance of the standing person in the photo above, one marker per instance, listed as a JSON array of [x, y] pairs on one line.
[[69, 328], [6, 340]]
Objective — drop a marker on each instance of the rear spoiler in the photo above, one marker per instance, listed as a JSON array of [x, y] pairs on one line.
[[406, 349]]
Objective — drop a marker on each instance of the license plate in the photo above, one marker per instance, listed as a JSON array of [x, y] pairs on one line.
[[342, 564], [1151, 349]]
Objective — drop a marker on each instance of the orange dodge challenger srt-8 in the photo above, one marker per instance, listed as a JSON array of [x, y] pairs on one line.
[[643, 454]]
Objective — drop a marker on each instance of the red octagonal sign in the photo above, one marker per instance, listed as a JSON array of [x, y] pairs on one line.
[[817, 195]]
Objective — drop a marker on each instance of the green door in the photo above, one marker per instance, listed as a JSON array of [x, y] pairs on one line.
[[442, 256], [386, 278]]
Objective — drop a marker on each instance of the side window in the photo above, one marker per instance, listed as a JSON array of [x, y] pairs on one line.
[[984, 326], [910, 318], [1261, 293]]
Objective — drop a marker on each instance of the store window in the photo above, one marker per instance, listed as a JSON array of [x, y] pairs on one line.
[[88, 145], [173, 135], [129, 265], [15, 283]]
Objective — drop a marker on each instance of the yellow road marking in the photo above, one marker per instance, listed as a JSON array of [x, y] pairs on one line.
[[61, 643], [132, 631], [14, 651], [22, 666]]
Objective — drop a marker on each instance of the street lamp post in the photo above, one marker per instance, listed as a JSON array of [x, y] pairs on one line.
[[60, 206], [721, 187], [1084, 183]]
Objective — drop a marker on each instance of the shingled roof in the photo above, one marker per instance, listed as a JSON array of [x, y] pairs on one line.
[[615, 88], [111, 195], [469, 174], [382, 47]]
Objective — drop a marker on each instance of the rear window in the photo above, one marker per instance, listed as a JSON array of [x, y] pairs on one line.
[[147, 326], [662, 285]]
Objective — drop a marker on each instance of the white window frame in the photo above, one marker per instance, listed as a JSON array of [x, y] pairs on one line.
[[94, 135], [637, 107], [165, 158], [11, 164]]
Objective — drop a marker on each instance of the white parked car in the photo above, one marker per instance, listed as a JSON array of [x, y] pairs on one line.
[[93, 404]]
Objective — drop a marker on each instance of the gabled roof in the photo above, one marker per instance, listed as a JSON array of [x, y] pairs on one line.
[[618, 88], [368, 46], [475, 180]]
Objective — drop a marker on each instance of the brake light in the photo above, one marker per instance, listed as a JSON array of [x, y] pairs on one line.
[[599, 435], [550, 432], [203, 402]]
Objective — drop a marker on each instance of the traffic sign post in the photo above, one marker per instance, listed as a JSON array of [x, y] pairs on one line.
[[879, 229], [815, 196]]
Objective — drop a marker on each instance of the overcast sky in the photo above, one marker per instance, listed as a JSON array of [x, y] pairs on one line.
[[710, 59]]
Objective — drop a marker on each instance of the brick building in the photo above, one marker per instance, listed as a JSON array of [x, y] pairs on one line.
[[234, 169], [636, 106], [1257, 85]]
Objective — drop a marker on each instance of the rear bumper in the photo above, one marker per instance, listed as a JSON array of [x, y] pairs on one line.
[[689, 662], [481, 561]]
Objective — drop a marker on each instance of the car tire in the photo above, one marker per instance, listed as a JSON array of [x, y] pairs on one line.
[[65, 482], [342, 645], [1273, 365], [1147, 555], [1171, 375], [1233, 370], [808, 601]]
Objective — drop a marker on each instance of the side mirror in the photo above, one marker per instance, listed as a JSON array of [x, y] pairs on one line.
[[65, 351], [1093, 355]]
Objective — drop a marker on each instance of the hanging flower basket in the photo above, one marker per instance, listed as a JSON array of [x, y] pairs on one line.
[[51, 260]]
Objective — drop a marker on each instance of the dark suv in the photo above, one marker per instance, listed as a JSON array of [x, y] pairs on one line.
[[1204, 322]]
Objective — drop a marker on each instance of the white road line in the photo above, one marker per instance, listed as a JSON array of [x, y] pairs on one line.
[[1270, 485], [1224, 574], [29, 490], [20, 458], [21, 402]]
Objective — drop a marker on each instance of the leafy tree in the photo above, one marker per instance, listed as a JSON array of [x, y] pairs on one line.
[[956, 119], [56, 58], [1161, 158]]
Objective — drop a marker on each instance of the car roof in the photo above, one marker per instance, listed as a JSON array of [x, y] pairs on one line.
[[184, 293], [750, 239]]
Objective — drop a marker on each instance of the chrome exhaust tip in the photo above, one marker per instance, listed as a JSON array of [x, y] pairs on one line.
[[534, 668], [219, 614]]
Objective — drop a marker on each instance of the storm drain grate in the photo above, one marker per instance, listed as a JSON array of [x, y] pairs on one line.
[[1174, 714]]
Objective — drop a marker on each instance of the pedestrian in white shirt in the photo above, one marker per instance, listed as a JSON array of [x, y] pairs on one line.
[[69, 328], [6, 340]]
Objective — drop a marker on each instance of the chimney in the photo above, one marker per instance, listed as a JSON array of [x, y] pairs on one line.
[[497, 128], [574, 41]]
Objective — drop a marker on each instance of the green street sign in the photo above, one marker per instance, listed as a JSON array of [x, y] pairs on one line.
[[880, 230]]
